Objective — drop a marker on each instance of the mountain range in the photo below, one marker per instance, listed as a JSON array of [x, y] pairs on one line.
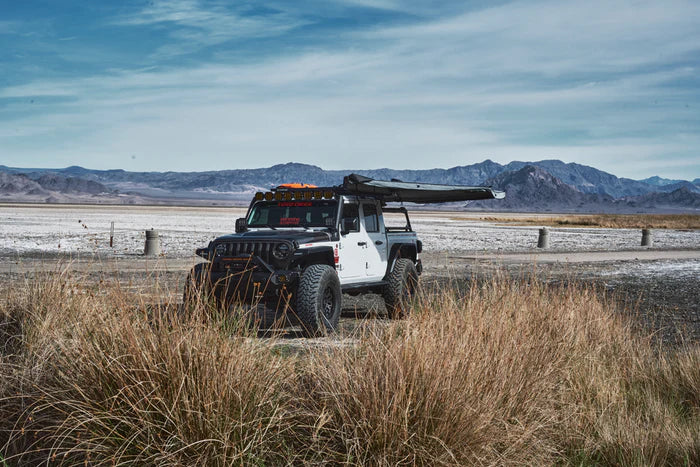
[[548, 185]]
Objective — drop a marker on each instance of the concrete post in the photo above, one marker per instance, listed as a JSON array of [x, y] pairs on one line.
[[646, 238], [152, 247], [543, 240]]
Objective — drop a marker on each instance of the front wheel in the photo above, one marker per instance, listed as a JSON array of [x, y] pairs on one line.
[[198, 288], [401, 286], [319, 300]]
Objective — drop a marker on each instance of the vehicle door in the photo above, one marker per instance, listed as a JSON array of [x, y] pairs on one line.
[[351, 263], [375, 251]]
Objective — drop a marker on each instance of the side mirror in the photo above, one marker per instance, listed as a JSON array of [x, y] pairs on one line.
[[241, 225], [349, 224]]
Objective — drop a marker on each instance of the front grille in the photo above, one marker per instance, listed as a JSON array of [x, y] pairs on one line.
[[261, 249]]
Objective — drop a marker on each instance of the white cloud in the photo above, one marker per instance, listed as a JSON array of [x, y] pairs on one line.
[[194, 24], [553, 37]]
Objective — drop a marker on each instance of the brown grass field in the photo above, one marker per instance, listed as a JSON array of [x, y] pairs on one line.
[[613, 221], [505, 372]]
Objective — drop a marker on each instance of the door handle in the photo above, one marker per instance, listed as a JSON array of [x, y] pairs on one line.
[[361, 243], [379, 242]]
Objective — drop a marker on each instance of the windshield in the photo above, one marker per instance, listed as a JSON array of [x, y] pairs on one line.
[[321, 213]]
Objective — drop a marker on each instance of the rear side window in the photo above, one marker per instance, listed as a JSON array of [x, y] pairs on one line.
[[351, 211], [371, 219]]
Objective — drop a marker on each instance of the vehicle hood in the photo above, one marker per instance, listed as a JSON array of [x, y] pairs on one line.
[[301, 236]]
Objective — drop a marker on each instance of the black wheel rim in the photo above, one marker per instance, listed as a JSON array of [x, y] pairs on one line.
[[328, 303]]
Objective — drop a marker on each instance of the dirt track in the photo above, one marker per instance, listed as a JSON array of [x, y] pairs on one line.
[[434, 262], [586, 256]]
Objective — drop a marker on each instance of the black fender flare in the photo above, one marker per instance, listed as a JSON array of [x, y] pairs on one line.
[[313, 255], [400, 250]]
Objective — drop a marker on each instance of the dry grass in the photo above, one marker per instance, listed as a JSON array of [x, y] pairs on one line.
[[99, 380], [613, 221], [507, 372]]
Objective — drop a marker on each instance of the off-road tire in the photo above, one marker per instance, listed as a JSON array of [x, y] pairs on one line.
[[197, 286], [319, 300], [402, 285]]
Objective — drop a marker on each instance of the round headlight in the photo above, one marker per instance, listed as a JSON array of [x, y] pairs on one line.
[[220, 249], [281, 251]]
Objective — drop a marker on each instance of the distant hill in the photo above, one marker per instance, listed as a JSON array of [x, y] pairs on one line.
[[52, 188], [72, 185], [530, 186], [12, 185], [584, 178], [658, 181], [533, 189], [589, 179], [681, 199]]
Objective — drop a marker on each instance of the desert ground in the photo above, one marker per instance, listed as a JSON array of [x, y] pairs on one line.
[[587, 353], [659, 284]]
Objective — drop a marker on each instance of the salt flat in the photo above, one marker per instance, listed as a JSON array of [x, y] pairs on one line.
[[79, 230]]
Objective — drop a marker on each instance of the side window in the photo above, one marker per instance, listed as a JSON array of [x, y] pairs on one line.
[[351, 217], [370, 214], [259, 215]]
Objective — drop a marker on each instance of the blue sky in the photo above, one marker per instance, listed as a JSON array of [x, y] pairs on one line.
[[203, 85]]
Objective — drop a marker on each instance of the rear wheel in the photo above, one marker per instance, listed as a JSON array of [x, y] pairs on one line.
[[402, 285], [319, 300]]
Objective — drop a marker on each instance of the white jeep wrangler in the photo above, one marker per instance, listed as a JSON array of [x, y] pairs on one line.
[[303, 246]]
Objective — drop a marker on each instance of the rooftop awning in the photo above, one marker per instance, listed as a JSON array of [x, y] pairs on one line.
[[411, 192]]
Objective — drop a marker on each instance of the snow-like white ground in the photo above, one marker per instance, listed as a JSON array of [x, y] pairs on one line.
[[468, 236], [48, 230], [442, 232], [680, 268], [86, 229]]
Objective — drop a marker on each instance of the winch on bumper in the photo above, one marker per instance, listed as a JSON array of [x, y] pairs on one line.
[[250, 271], [246, 278]]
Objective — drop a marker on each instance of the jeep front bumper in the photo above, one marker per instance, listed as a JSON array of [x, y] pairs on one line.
[[249, 279]]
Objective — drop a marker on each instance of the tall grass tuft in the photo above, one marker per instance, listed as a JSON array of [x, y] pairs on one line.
[[477, 378], [508, 371], [101, 379]]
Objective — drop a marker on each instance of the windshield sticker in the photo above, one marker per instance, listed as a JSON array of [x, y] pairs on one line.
[[295, 205], [289, 221]]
